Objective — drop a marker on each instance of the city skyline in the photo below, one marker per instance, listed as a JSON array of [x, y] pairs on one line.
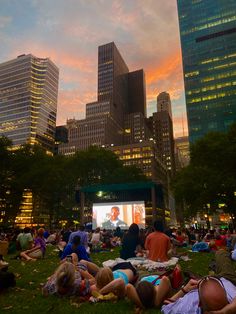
[[69, 33]]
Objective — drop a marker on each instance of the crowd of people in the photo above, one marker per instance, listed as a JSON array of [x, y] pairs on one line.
[[76, 274]]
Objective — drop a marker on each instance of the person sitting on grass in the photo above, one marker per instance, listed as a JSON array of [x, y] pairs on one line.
[[158, 244], [38, 250], [66, 281], [24, 240], [96, 237], [131, 242], [115, 280], [77, 248]]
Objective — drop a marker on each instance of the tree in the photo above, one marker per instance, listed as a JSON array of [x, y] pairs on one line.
[[210, 176], [47, 177], [54, 179], [100, 166]]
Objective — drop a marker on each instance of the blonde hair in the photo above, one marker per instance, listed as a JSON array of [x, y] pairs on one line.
[[65, 276], [40, 232], [103, 277]]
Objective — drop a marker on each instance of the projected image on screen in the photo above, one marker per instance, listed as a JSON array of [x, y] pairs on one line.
[[112, 215]]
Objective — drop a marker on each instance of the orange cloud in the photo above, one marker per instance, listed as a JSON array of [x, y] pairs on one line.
[[165, 76], [71, 104], [62, 58]]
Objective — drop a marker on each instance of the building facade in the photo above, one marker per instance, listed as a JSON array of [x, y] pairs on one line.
[[120, 93], [28, 101], [161, 125], [164, 103], [182, 152], [144, 155], [208, 40]]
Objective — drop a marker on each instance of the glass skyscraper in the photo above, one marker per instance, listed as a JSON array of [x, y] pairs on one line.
[[208, 40], [28, 101]]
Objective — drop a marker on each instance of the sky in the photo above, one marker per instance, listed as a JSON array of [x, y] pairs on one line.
[[146, 32]]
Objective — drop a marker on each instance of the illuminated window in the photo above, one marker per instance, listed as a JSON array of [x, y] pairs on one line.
[[190, 74]]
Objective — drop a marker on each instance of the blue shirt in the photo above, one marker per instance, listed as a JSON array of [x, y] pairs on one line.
[[79, 250], [83, 237]]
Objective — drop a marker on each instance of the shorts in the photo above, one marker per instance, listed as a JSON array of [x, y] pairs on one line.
[[36, 254], [82, 267], [125, 265]]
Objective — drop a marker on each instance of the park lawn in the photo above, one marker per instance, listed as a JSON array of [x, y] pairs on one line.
[[26, 296]]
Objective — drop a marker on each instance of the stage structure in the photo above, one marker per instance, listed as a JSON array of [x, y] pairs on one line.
[[110, 206]]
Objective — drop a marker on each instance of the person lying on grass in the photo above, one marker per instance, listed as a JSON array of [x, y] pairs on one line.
[[210, 295], [119, 281], [149, 292], [115, 280], [87, 269], [66, 281]]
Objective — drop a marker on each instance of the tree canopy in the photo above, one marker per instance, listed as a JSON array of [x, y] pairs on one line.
[[209, 181], [53, 179]]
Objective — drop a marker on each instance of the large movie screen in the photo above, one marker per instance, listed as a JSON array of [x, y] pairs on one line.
[[123, 214]]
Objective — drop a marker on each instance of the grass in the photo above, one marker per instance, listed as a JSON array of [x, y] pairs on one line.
[[26, 296]]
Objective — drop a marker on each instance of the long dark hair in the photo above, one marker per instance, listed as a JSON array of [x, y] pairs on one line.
[[133, 229], [146, 293]]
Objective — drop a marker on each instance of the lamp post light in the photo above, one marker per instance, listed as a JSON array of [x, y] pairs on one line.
[[207, 221]]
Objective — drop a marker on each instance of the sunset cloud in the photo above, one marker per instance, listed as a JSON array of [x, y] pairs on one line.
[[69, 33]]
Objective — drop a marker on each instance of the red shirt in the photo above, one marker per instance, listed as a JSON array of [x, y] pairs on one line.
[[180, 239], [158, 244]]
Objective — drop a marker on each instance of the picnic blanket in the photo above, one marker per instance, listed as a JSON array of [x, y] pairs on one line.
[[143, 263]]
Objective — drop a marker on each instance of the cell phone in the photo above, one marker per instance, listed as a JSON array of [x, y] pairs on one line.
[[69, 258]]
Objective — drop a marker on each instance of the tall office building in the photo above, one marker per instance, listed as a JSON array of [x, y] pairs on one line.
[[161, 125], [28, 101], [208, 39], [120, 93], [164, 103]]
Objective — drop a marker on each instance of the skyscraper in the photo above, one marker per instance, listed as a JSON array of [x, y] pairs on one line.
[[28, 101], [164, 103], [208, 40], [161, 125], [120, 93]]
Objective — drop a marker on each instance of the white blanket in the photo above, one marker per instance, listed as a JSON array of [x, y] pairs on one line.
[[142, 262]]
